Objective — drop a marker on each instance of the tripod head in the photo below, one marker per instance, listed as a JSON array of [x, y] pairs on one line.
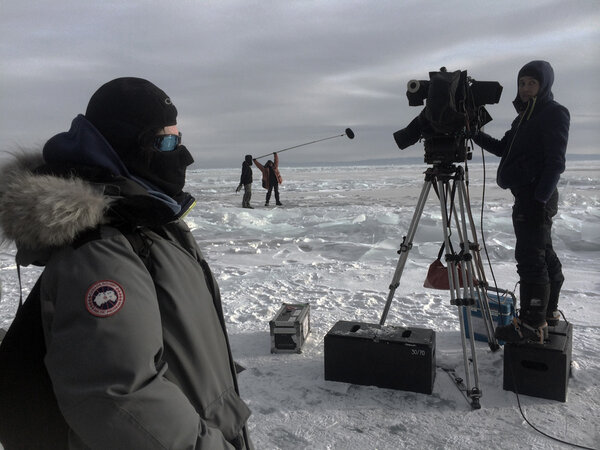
[[446, 171]]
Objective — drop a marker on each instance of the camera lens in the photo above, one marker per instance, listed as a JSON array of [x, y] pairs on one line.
[[413, 86]]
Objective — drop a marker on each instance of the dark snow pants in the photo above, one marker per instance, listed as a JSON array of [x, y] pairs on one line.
[[532, 221], [247, 194], [273, 187]]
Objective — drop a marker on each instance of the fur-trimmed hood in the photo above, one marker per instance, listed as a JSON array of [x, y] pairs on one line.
[[76, 183], [43, 210], [45, 206]]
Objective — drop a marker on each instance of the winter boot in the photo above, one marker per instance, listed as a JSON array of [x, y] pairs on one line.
[[519, 332], [552, 314], [531, 324], [278, 203]]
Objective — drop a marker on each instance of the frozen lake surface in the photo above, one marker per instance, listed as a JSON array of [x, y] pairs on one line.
[[333, 245]]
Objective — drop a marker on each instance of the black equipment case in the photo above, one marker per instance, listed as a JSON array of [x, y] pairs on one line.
[[385, 356], [541, 370]]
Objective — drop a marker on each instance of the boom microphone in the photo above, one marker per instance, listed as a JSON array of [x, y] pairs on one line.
[[347, 132]]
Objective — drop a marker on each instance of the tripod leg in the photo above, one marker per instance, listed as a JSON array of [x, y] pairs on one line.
[[462, 302], [469, 289], [405, 248], [477, 264]]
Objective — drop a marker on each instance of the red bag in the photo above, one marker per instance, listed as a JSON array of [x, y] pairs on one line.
[[437, 274]]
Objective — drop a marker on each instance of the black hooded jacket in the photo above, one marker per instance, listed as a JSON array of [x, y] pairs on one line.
[[533, 150], [246, 177]]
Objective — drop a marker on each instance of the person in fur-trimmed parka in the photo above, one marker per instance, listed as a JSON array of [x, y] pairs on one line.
[[137, 350], [532, 159]]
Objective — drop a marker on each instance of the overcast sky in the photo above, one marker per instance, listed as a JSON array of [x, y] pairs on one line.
[[260, 76]]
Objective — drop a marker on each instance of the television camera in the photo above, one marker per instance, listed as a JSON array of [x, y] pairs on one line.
[[454, 111]]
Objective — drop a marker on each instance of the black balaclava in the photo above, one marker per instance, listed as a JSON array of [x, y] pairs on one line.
[[128, 112], [248, 159]]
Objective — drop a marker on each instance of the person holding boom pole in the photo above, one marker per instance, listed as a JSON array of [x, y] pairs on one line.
[[271, 178]]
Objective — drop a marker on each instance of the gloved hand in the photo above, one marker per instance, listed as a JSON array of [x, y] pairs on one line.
[[239, 188]]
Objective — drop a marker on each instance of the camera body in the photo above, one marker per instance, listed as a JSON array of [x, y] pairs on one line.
[[454, 111]]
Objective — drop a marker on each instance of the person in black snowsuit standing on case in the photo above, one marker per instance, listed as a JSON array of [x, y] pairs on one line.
[[271, 178], [533, 157], [246, 181]]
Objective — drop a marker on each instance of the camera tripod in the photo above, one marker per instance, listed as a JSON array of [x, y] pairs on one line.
[[449, 180]]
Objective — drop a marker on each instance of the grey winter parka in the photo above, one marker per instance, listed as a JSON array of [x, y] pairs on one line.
[[139, 358]]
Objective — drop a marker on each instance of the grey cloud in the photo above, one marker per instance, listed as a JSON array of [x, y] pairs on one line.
[[258, 76]]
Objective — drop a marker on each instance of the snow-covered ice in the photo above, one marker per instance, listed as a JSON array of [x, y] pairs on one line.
[[333, 244]]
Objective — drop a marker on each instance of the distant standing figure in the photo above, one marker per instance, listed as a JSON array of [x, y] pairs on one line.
[[246, 181], [271, 178]]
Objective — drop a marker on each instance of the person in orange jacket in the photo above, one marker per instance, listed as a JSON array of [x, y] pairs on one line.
[[271, 178]]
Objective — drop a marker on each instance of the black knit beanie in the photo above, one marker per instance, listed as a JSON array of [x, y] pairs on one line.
[[125, 108]]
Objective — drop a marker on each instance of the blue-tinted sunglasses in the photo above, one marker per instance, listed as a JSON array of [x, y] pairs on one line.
[[167, 142]]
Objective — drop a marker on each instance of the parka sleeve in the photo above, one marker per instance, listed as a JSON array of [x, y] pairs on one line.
[[276, 168], [259, 165], [243, 175], [104, 345], [490, 144]]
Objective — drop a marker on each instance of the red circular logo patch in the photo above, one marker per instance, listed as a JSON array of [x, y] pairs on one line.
[[104, 298]]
